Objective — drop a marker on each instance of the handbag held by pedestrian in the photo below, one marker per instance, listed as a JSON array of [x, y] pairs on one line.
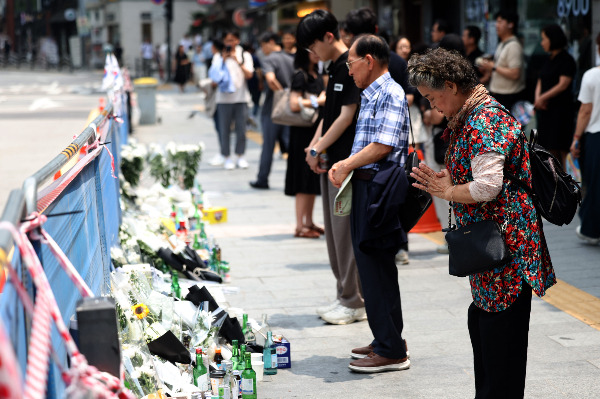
[[475, 248], [282, 114]]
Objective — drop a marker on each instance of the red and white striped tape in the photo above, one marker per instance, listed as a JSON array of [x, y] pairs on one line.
[[81, 377], [11, 381]]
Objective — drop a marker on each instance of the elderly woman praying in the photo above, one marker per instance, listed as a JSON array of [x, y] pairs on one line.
[[484, 140]]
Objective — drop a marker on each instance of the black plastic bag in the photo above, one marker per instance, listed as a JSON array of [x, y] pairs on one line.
[[170, 348]]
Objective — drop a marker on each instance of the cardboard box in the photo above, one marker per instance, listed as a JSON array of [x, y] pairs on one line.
[[282, 347], [215, 215]]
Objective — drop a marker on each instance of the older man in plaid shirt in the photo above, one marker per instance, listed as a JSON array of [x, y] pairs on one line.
[[381, 135]]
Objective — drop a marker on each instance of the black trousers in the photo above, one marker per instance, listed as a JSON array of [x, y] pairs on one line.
[[379, 279], [499, 341], [589, 212]]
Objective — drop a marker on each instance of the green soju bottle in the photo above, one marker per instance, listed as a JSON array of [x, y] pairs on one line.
[[235, 354], [237, 372], [248, 380], [270, 355], [175, 288], [200, 372], [214, 263], [202, 231], [247, 330], [242, 355], [196, 245]]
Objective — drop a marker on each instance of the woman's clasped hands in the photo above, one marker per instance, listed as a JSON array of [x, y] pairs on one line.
[[438, 184]]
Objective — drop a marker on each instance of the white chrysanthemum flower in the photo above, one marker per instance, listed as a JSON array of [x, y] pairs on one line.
[[171, 148]]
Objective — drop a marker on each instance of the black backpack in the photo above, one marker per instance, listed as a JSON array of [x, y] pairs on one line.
[[555, 194]]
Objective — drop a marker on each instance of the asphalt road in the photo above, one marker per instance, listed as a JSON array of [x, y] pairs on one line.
[[40, 113]]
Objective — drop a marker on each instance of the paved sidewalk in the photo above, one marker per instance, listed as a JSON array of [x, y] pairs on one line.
[[287, 277]]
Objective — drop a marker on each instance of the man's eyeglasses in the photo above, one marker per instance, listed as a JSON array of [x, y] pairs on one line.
[[309, 50], [349, 63]]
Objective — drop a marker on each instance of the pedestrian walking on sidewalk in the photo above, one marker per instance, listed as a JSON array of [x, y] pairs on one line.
[[381, 135], [182, 68], [586, 147], [318, 33], [483, 140]]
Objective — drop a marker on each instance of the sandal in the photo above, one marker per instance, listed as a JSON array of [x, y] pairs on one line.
[[316, 228], [306, 232]]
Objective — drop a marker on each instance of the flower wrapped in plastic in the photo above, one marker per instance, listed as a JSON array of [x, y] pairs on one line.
[[140, 372], [132, 162], [203, 331], [185, 161], [159, 166]]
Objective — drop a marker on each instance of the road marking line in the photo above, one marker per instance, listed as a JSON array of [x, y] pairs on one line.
[[576, 302], [254, 136], [563, 296]]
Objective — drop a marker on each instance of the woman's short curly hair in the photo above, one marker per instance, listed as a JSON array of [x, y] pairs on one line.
[[438, 66]]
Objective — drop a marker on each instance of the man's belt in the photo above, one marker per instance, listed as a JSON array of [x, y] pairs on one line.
[[364, 174]]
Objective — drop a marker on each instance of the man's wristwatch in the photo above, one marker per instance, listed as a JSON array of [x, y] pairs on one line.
[[313, 153]]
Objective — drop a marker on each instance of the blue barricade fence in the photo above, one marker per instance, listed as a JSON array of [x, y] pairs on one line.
[[85, 237]]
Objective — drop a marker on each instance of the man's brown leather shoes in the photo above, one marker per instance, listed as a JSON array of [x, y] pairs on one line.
[[359, 353], [373, 363]]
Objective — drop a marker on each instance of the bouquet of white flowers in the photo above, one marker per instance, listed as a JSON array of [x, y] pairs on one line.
[[175, 164], [132, 161]]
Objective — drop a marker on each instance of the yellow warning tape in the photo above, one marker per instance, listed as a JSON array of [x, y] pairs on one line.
[[70, 150]]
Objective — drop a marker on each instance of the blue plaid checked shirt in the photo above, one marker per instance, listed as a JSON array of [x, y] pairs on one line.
[[383, 118]]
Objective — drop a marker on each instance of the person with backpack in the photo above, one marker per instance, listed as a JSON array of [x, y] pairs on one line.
[[486, 143]]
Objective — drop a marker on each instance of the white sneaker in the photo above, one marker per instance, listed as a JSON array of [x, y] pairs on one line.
[[321, 310], [342, 315], [443, 249], [587, 239], [217, 160], [402, 257], [242, 163], [229, 164]]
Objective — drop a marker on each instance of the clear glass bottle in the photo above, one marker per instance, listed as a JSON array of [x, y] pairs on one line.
[[270, 355], [248, 380], [247, 330], [262, 331]]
